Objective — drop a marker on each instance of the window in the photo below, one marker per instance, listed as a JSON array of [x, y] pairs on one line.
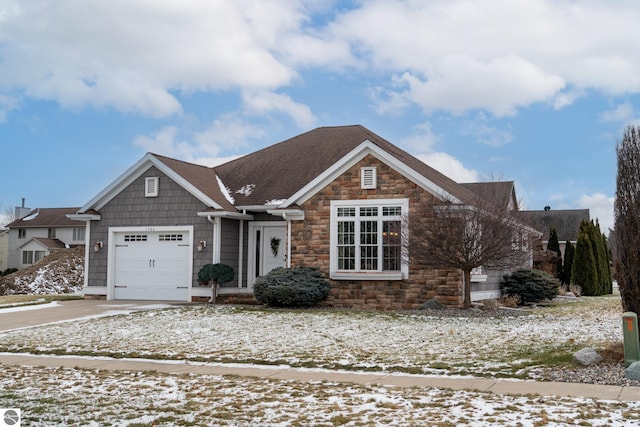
[[51, 233], [170, 238], [366, 237], [31, 257], [368, 178], [78, 233], [22, 233], [151, 185], [135, 237]]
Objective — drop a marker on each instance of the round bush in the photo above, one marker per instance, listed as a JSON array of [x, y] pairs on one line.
[[531, 286], [291, 287]]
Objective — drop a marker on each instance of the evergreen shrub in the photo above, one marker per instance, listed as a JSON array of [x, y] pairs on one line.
[[291, 287], [530, 285]]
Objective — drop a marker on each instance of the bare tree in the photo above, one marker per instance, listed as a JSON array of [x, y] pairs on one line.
[[7, 215], [625, 237], [484, 233]]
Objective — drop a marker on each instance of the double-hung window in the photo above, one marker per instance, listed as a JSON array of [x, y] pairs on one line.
[[366, 239]]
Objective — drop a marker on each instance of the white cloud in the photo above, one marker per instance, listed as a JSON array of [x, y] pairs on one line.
[[622, 113], [484, 133], [601, 207], [264, 102], [132, 56], [449, 166], [458, 55], [202, 147], [422, 144]]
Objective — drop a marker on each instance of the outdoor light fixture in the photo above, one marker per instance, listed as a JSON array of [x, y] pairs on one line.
[[97, 247], [201, 245]]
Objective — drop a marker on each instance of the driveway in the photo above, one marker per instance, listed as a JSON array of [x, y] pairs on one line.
[[63, 311]]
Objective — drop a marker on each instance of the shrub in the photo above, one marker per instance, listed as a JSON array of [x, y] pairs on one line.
[[216, 273], [8, 271], [530, 285], [291, 287]]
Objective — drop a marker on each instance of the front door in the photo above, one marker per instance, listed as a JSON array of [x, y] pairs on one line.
[[274, 249], [267, 248]]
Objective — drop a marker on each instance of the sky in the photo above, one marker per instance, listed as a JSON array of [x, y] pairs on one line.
[[537, 92]]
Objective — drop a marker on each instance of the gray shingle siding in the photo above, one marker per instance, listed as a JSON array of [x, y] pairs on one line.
[[174, 206], [229, 248]]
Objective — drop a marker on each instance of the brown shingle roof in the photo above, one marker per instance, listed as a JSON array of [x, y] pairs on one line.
[[46, 217], [51, 243], [566, 222], [279, 171], [201, 177], [499, 192]]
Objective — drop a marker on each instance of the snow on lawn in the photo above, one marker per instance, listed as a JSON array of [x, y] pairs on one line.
[[60, 396], [489, 346]]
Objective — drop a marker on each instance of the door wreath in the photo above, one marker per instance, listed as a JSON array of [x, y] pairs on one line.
[[275, 244]]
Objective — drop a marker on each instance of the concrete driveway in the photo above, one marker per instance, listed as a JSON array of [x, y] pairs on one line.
[[64, 311]]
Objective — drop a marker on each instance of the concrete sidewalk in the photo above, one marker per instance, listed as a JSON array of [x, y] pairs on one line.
[[29, 316], [498, 386]]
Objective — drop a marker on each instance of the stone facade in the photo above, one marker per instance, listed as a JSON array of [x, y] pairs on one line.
[[310, 246]]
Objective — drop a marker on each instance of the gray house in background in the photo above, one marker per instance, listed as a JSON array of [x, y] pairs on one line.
[[565, 221], [36, 233]]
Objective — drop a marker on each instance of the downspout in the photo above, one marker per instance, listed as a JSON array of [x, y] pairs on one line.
[[240, 252], [284, 216]]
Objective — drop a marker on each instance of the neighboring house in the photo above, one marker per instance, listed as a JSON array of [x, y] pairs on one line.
[[485, 284], [565, 221], [4, 248], [36, 234], [332, 198]]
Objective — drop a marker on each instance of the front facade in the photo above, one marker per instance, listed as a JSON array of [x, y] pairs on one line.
[[39, 232], [332, 198]]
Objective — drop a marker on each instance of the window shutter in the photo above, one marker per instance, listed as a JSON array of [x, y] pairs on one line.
[[151, 186], [368, 178]]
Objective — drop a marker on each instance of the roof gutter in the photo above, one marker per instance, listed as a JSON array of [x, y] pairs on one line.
[[84, 217], [225, 214]]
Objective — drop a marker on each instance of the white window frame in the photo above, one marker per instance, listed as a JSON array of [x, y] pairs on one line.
[[151, 186], [368, 178], [335, 273], [79, 234]]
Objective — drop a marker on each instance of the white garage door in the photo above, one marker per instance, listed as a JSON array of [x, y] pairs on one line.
[[152, 266]]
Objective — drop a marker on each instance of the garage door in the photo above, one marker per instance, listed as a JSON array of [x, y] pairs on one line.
[[152, 266]]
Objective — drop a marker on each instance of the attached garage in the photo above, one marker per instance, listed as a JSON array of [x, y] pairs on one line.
[[151, 264]]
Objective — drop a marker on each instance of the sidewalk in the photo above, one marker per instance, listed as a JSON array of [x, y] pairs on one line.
[[498, 386]]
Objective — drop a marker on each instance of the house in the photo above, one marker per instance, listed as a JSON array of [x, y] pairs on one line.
[[565, 221], [327, 198], [4, 248], [36, 233]]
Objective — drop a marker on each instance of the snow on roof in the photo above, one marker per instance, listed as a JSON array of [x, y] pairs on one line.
[[31, 216], [275, 202], [224, 190], [246, 189]]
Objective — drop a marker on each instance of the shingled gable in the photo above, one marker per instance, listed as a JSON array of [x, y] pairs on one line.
[[499, 192], [198, 180], [290, 170]]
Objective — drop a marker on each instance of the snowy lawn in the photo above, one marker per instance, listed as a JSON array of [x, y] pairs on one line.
[[57, 396], [356, 340]]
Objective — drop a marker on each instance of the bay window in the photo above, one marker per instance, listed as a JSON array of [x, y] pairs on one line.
[[366, 239]]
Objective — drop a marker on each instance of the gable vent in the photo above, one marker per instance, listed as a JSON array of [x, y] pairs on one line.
[[368, 178], [151, 186]]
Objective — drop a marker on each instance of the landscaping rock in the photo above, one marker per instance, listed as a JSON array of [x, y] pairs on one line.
[[489, 304], [633, 371], [431, 304], [586, 357]]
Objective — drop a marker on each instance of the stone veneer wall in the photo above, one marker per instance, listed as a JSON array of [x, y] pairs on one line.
[[310, 247]]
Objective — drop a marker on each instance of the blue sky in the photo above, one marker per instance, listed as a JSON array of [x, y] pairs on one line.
[[534, 91]]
